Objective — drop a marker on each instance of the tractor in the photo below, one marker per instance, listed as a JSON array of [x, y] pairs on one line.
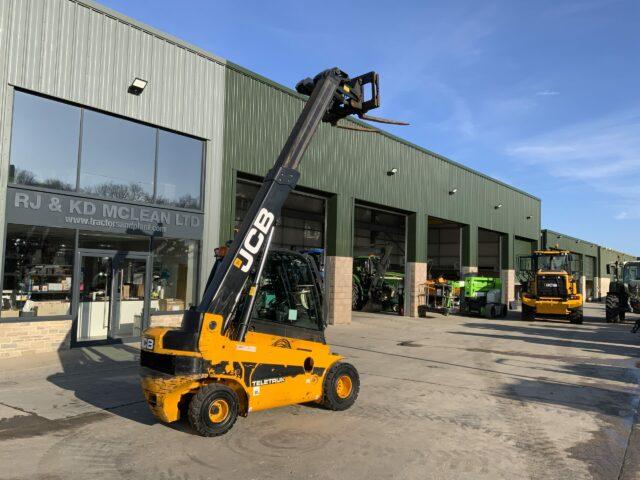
[[624, 291], [374, 286]]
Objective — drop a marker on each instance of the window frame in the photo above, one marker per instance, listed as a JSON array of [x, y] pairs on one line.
[[76, 190]]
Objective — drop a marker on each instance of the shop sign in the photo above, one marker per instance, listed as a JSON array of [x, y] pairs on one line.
[[65, 211]]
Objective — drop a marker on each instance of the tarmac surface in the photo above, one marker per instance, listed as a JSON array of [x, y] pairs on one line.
[[441, 397]]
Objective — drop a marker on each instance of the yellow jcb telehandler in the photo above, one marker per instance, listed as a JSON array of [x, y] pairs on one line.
[[256, 339], [550, 286]]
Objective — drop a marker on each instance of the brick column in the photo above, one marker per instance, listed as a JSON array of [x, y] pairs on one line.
[[604, 286], [507, 271], [338, 263], [415, 269], [583, 287], [596, 289], [508, 277], [338, 281], [415, 276]]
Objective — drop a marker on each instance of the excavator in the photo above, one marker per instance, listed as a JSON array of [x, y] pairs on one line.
[[256, 339]]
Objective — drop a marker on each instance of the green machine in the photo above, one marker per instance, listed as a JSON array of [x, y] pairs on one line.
[[482, 296]]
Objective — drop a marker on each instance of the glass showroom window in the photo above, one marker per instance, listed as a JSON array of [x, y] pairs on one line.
[[174, 274], [44, 142], [38, 271], [118, 158], [179, 170]]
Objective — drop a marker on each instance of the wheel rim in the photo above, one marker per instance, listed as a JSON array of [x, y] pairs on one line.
[[344, 385], [218, 411]]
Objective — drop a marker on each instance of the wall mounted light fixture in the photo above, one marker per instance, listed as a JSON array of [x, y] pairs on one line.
[[498, 206], [392, 172], [453, 191], [137, 86]]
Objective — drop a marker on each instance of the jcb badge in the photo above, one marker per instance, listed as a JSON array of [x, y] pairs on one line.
[[146, 343]]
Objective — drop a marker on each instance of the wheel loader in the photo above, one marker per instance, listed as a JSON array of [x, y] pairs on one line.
[[550, 286], [624, 291], [256, 339]]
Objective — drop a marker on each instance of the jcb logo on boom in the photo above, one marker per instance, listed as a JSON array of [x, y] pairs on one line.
[[254, 240]]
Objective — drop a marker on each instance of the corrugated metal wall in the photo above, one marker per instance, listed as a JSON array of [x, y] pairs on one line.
[[588, 250], [79, 52], [259, 116]]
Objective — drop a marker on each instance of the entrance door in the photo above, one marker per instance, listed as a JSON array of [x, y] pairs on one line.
[[110, 295]]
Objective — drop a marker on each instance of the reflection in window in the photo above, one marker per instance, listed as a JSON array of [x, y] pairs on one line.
[[174, 276], [44, 142], [37, 271], [120, 243], [179, 170], [118, 158], [301, 223]]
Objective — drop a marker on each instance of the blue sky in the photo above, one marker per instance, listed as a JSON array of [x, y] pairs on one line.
[[542, 95]]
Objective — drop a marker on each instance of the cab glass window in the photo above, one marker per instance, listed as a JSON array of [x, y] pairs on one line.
[[287, 293]]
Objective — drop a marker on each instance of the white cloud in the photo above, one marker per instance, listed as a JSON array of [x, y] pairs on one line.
[[601, 157], [600, 150], [547, 93]]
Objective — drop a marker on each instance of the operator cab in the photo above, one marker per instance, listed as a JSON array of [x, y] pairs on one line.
[[631, 273], [289, 301]]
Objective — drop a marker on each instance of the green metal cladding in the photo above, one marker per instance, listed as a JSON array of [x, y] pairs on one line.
[[597, 254], [258, 117]]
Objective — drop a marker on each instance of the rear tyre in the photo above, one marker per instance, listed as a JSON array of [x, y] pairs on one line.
[[341, 386], [490, 310], [213, 410], [528, 313], [575, 316], [356, 299], [622, 316], [612, 309]]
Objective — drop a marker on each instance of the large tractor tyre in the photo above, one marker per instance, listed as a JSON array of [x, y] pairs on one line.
[[213, 410], [341, 386], [528, 313], [622, 315], [504, 311], [612, 309], [576, 317], [357, 301], [422, 311]]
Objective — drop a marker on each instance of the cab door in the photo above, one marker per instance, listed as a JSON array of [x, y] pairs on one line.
[[287, 329]]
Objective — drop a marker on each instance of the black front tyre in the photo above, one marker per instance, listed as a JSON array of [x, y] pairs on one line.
[[528, 313], [612, 309], [213, 410], [341, 386], [575, 316]]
